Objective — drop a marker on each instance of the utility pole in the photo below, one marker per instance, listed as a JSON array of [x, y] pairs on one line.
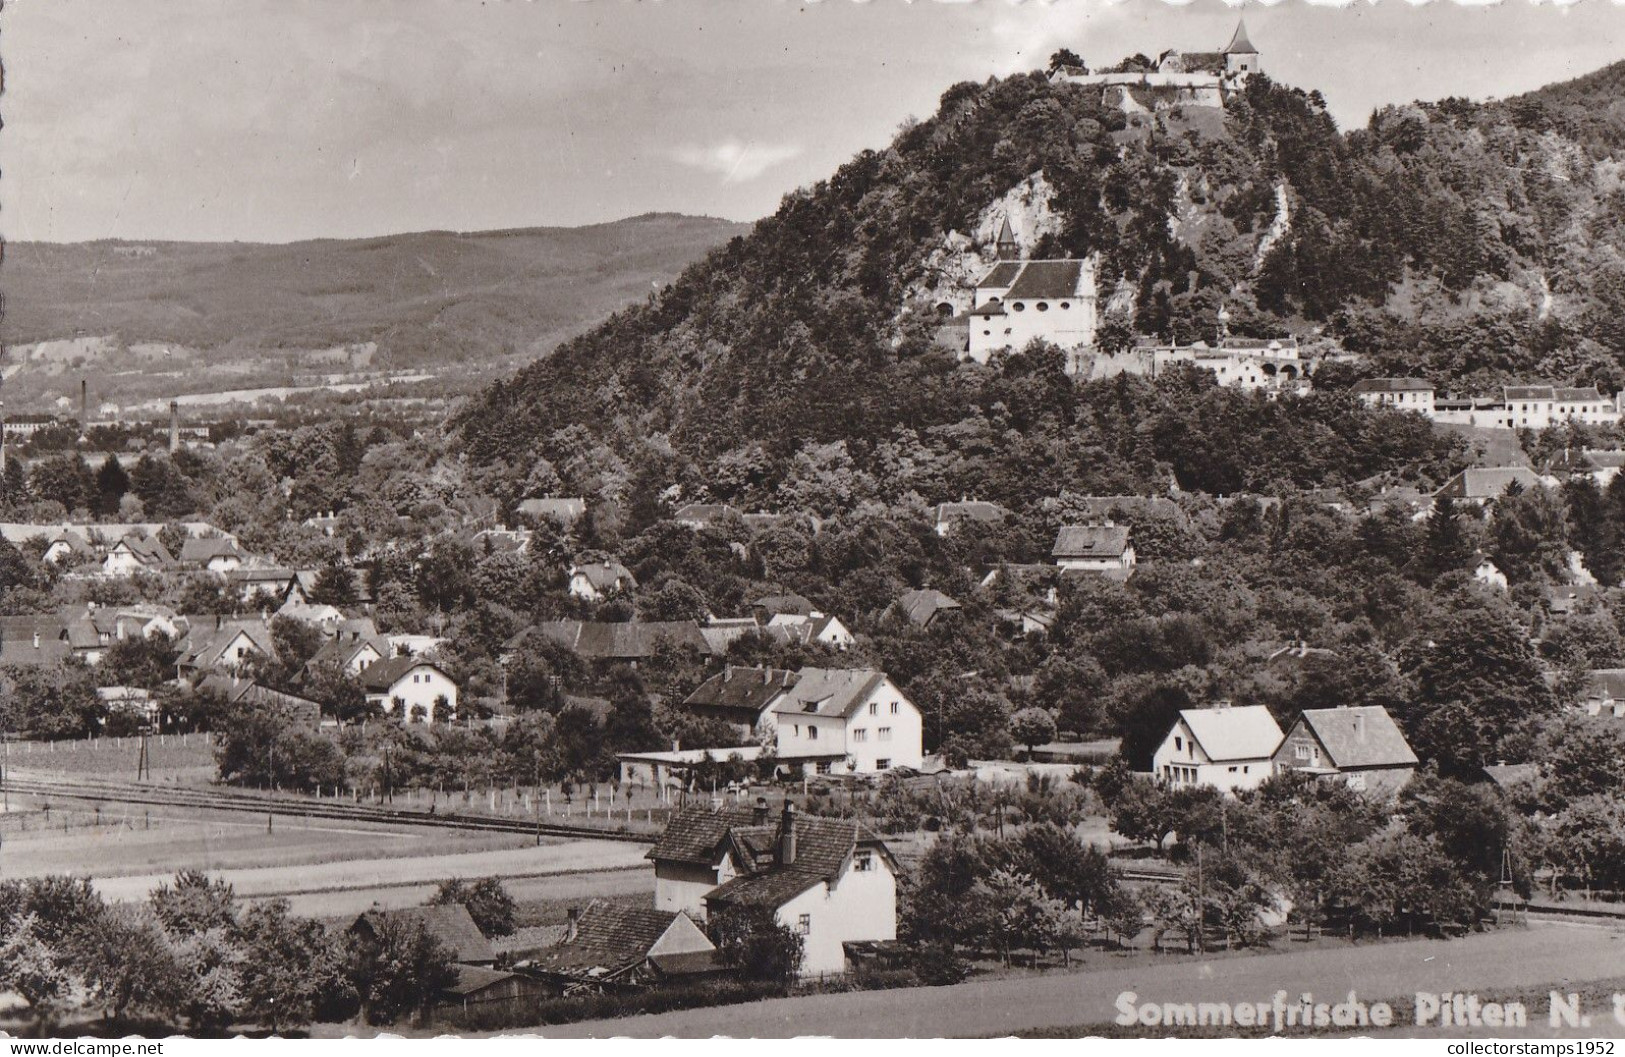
[[537, 806], [1201, 906], [143, 766]]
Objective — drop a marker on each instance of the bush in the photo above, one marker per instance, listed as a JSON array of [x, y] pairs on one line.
[[938, 965]]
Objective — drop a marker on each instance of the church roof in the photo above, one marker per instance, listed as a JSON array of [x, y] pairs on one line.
[[1239, 44], [1041, 279], [1005, 234]]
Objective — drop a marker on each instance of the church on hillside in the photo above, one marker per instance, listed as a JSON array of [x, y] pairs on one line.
[[1020, 301]]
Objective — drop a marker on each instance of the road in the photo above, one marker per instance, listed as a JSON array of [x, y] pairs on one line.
[[536, 889], [1543, 954]]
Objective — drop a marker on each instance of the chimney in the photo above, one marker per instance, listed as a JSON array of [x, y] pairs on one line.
[[787, 835], [84, 404], [1359, 727], [759, 816], [174, 426], [728, 674], [572, 925], [36, 640]]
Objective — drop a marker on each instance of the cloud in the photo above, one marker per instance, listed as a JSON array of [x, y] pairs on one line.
[[734, 161]]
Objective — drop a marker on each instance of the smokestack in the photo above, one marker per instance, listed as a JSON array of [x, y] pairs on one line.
[[84, 404], [174, 426], [787, 835]]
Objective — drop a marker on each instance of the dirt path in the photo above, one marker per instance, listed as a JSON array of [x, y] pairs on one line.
[[1546, 954], [375, 874], [576, 885]]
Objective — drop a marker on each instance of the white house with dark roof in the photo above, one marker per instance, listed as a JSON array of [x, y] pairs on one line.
[[408, 687], [833, 881], [595, 580], [1018, 302], [1227, 748], [846, 721], [1400, 394], [1485, 484], [823, 629], [1094, 548], [1362, 745]]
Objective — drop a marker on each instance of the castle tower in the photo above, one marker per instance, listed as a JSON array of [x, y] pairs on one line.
[[1240, 57], [1008, 248]]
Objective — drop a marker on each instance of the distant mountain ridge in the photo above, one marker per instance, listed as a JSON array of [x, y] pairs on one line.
[[424, 297]]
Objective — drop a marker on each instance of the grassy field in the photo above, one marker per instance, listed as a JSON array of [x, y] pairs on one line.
[[183, 759]]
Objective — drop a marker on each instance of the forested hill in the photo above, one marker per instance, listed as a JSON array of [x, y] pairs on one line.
[[425, 298], [1468, 242]]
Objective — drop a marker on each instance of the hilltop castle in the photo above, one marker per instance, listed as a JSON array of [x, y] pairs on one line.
[[1194, 78]]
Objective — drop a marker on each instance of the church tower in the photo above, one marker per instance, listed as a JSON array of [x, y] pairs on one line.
[[1008, 248], [1240, 57]]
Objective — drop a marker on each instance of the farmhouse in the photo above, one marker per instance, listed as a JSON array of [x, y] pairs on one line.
[[946, 517], [1485, 484], [1228, 748], [225, 646], [409, 688], [133, 554], [831, 880], [923, 608], [1362, 745], [815, 627]]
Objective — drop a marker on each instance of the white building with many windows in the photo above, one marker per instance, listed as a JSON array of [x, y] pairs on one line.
[[846, 721]]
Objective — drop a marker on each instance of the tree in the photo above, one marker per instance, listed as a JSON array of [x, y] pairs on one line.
[[292, 970], [1445, 547], [398, 968], [1144, 811], [30, 967], [750, 939], [486, 900], [335, 584], [146, 661], [194, 903], [1032, 727], [111, 485]]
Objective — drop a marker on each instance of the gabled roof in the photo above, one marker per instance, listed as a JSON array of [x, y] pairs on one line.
[[695, 834], [605, 576], [1002, 275], [380, 676], [1091, 541], [630, 641], [1607, 683], [829, 691], [923, 606], [472, 979], [1488, 482], [199, 551], [969, 510], [451, 925], [609, 938], [1245, 733], [341, 651], [206, 646], [1586, 394], [1359, 737], [1048, 279], [791, 603], [742, 689], [1392, 385], [1239, 44]]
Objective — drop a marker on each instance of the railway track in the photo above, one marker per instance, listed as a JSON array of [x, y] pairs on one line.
[[245, 801]]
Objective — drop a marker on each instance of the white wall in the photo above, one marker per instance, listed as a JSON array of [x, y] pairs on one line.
[[886, 708], [429, 684], [1179, 760], [860, 905]]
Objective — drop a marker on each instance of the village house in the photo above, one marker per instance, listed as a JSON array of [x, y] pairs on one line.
[[212, 553], [674, 769], [133, 554], [820, 628], [1399, 394], [1601, 465], [1544, 406], [769, 606], [352, 652], [846, 721], [249, 582], [296, 710], [1479, 485], [946, 517], [722, 632], [409, 688], [223, 644], [923, 608], [594, 581], [67, 546], [1227, 748], [1104, 548], [1488, 573], [1362, 745], [831, 880]]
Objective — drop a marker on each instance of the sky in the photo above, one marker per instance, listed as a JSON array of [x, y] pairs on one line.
[[279, 120]]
